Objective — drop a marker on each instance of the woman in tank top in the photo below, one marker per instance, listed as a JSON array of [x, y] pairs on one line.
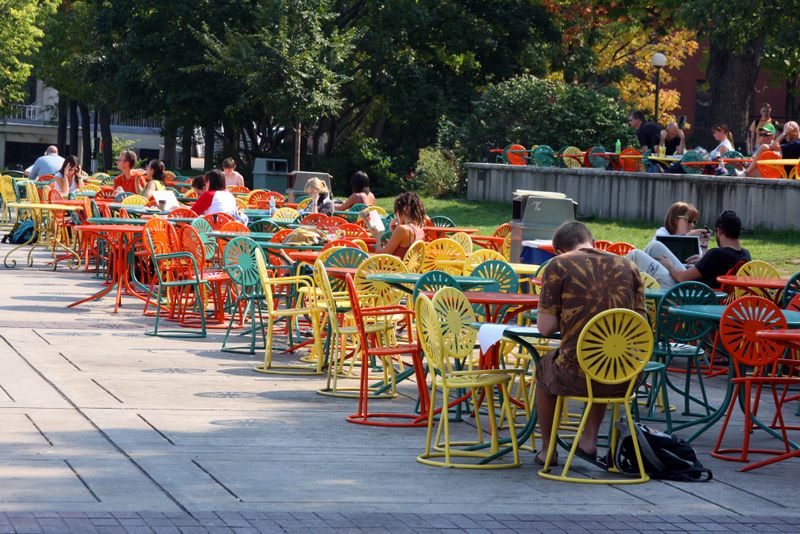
[[155, 179], [359, 183], [406, 226]]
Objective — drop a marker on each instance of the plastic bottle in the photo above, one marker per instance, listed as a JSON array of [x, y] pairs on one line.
[[618, 147], [271, 205]]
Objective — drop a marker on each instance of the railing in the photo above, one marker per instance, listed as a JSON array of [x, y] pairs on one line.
[[41, 114]]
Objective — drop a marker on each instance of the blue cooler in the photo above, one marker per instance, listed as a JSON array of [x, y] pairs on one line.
[[532, 254]]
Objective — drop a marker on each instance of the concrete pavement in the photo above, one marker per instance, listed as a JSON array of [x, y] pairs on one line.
[[102, 422]]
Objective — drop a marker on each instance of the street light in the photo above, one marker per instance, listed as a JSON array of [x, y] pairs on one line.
[[659, 61]]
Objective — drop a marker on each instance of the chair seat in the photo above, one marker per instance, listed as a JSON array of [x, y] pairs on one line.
[[677, 349], [476, 379], [393, 350]]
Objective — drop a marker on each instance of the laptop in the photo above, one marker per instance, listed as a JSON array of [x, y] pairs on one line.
[[683, 246]]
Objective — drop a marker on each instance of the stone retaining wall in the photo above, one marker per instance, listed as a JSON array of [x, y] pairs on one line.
[[760, 202]]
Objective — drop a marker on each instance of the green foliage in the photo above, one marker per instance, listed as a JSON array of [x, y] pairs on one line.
[[531, 111], [119, 144], [359, 153], [438, 171], [20, 38]]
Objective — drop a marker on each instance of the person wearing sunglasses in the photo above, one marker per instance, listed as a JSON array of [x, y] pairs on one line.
[[766, 136], [717, 261]]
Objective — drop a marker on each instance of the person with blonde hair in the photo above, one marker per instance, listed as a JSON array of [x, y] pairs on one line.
[[321, 201], [788, 143]]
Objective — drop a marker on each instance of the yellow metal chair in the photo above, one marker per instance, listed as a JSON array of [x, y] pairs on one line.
[[343, 335], [444, 254], [361, 244], [302, 304], [285, 215], [758, 269], [505, 249], [241, 204], [378, 293], [444, 333], [134, 200], [463, 239], [303, 204], [480, 256], [92, 188], [650, 283], [414, 256], [613, 348]]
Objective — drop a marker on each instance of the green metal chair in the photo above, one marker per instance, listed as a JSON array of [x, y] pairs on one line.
[[239, 261], [433, 281], [691, 156], [791, 289], [544, 156], [681, 338], [174, 271], [442, 222], [347, 257], [265, 226]]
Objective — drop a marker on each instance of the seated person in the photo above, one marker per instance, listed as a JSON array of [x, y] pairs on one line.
[[722, 135], [130, 180], [199, 185], [321, 201], [50, 163], [361, 194], [68, 179], [579, 283], [155, 179], [673, 140], [216, 199], [788, 143], [406, 226], [231, 176], [716, 262], [766, 136]]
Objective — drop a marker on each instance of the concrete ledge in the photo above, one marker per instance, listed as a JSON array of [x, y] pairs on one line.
[[760, 202]]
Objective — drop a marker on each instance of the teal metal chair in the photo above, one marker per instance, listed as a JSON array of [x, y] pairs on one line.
[[239, 261], [442, 222]]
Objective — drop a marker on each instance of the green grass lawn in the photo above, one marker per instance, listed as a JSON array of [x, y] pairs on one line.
[[780, 248]]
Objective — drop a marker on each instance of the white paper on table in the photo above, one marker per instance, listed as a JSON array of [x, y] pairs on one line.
[[168, 197], [489, 334]]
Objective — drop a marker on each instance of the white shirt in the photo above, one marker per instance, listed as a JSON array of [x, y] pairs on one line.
[[723, 147]]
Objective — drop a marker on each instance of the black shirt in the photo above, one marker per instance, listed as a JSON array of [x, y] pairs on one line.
[[649, 134], [671, 145], [325, 204], [718, 261]]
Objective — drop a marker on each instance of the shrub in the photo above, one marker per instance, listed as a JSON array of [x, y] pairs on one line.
[[439, 171], [533, 111], [358, 153]]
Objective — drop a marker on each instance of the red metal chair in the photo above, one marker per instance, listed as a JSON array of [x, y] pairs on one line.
[[602, 244], [741, 320], [182, 213], [218, 220], [331, 223], [234, 226], [313, 219], [386, 348], [339, 243], [351, 231]]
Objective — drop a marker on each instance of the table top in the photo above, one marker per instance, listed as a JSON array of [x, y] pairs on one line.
[[411, 278], [713, 312], [665, 159], [116, 220], [110, 228], [256, 236], [498, 297], [524, 268], [778, 161], [38, 206], [289, 246], [657, 293], [789, 336], [137, 209], [753, 281], [453, 229], [488, 239]]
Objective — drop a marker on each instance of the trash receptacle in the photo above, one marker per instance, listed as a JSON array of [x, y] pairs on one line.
[[536, 215], [270, 174], [298, 179]]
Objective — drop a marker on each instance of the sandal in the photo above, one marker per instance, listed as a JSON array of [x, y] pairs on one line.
[[540, 460], [591, 458]]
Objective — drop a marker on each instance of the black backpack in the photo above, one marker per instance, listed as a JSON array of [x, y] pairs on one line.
[[21, 233], [665, 456]]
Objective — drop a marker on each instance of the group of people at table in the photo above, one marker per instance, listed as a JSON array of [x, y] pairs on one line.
[[764, 134]]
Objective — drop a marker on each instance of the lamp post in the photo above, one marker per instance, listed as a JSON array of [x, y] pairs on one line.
[[659, 61]]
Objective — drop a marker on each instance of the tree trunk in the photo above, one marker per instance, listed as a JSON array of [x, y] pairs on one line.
[[791, 99], [61, 136], [105, 138], [186, 148], [732, 77], [298, 141], [230, 140], [208, 139], [86, 135], [170, 144], [73, 128]]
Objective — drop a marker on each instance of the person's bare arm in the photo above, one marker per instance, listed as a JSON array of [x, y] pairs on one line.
[[682, 145], [352, 199], [680, 275], [547, 324], [399, 235]]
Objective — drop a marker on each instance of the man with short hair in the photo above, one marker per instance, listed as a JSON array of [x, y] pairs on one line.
[[673, 140], [717, 261], [50, 163], [648, 133], [577, 285]]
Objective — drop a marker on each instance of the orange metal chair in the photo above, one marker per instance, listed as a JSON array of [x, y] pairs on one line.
[[387, 349], [741, 320], [351, 231], [770, 171], [234, 226], [602, 244], [182, 213], [218, 220], [313, 219], [620, 249]]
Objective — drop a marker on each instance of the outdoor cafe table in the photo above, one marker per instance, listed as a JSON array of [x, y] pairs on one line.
[[116, 220], [712, 313], [255, 236], [121, 239], [441, 231], [749, 282], [491, 242], [137, 210], [44, 233]]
